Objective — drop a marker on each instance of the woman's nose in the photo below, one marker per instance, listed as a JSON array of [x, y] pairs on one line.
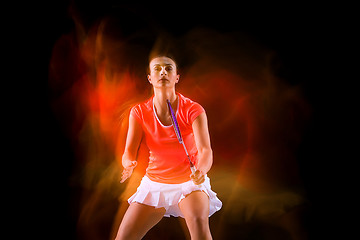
[[163, 71]]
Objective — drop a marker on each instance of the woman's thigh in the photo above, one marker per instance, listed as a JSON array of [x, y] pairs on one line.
[[196, 204], [195, 208], [138, 220]]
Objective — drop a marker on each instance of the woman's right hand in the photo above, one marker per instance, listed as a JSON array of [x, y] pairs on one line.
[[128, 169]]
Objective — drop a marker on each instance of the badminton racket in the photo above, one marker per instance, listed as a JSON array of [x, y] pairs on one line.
[[178, 134]]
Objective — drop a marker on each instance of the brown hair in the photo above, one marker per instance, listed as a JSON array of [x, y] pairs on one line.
[[164, 47]]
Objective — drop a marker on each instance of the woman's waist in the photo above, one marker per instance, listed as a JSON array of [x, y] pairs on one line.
[[158, 182], [173, 174], [172, 156]]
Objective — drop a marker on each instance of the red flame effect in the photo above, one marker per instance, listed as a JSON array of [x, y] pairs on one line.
[[255, 120]]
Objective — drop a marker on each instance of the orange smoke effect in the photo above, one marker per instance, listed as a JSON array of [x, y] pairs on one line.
[[255, 121], [92, 96]]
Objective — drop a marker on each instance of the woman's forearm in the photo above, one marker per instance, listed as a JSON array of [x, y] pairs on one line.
[[127, 157], [205, 160]]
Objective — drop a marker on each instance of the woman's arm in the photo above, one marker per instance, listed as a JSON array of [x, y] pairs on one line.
[[205, 154], [133, 140]]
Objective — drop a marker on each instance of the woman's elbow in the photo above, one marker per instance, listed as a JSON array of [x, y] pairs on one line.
[[206, 152]]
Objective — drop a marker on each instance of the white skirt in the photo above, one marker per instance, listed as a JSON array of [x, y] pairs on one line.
[[168, 196]]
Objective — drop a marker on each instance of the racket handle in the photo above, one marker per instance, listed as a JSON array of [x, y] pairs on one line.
[[193, 169]]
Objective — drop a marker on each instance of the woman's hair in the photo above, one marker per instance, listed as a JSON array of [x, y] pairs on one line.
[[163, 47]]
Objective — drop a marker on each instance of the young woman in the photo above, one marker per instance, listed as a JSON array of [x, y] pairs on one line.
[[168, 187]]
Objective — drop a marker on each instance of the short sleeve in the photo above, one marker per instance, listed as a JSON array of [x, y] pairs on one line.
[[194, 111], [136, 113]]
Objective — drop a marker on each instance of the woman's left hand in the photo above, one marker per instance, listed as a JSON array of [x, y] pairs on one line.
[[198, 177]]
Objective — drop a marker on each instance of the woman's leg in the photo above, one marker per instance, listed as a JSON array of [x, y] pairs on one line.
[[195, 208], [138, 220]]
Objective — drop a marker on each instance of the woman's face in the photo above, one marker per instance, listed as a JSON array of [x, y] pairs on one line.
[[163, 72]]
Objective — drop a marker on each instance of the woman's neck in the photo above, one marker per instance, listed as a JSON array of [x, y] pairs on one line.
[[160, 97]]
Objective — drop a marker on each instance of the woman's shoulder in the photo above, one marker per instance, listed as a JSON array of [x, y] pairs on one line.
[[145, 105], [188, 102], [190, 109]]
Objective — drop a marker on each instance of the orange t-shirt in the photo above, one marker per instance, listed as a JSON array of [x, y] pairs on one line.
[[168, 162]]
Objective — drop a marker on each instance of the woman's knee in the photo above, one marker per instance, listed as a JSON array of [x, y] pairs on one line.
[[198, 219], [198, 227], [199, 222]]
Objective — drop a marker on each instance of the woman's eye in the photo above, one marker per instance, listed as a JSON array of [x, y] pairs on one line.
[[168, 68]]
